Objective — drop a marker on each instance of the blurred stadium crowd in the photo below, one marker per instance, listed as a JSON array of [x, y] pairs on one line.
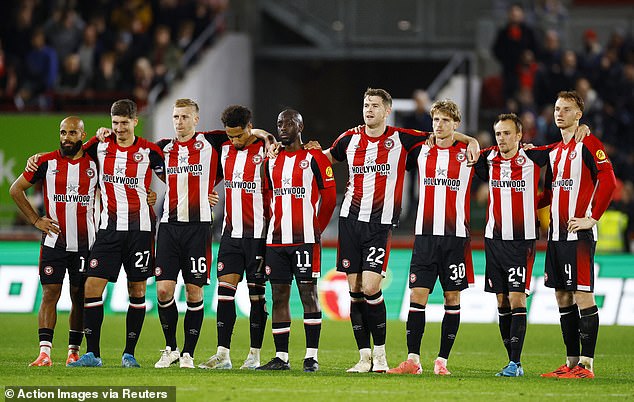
[[536, 64], [70, 54]]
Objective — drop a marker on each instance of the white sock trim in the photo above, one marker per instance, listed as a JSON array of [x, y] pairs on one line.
[[311, 352], [414, 356], [282, 355]]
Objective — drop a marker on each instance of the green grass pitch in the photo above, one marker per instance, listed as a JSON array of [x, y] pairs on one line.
[[476, 356]]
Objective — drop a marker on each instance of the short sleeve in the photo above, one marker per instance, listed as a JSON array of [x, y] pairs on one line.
[[322, 169]]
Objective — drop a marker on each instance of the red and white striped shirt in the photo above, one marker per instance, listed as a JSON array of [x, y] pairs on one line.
[[191, 169], [124, 178], [376, 167], [444, 190], [294, 181], [580, 180], [244, 201], [69, 198], [513, 184]]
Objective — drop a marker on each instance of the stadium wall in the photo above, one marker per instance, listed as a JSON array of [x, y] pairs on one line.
[[20, 291], [222, 77]]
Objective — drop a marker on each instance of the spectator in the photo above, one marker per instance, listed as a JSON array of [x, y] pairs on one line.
[[590, 56], [593, 106], [527, 70], [130, 12], [40, 73], [64, 32], [164, 55], [124, 60], [550, 15], [171, 14], [185, 35], [550, 53], [569, 73], [107, 77], [72, 80], [21, 33], [143, 80], [8, 75], [511, 40], [420, 119], [89, 51]]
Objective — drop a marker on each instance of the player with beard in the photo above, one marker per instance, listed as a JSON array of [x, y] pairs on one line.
[[69, 179]]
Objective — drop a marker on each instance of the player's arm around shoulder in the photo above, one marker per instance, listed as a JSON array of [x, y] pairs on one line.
[[481, 167], [473, 147]]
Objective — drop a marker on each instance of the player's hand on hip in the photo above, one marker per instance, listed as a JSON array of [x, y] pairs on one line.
[[102, 133], [47, 225], [31, 163], [585, 223], [151, 197], [213, 198], [581, 132]]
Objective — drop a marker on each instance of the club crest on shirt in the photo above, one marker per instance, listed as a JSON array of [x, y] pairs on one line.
[[138, 156], [257, 159], [389, 143], [304, 164], [48, 270], [520, 160], [90, 172], [198, 145], [329, 171], [572, 155], [461, 157], [600, 155]]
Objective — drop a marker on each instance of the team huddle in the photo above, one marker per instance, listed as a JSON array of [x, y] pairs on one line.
[[279, 197]]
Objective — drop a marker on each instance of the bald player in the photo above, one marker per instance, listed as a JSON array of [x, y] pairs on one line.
[[69, 179]]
